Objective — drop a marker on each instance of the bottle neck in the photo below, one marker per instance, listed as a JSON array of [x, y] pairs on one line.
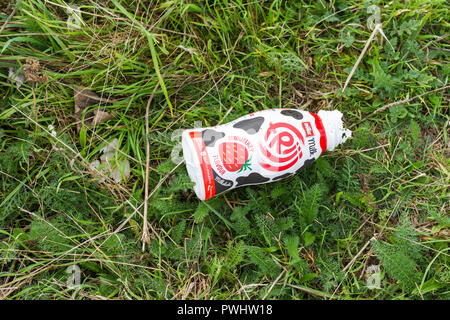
[[334, 128]]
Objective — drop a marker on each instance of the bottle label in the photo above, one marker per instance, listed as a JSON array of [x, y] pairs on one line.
[[258, 148]]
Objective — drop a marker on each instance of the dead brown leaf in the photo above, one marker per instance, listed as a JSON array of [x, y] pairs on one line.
[[100, 116], [84, 98], [32, 71]]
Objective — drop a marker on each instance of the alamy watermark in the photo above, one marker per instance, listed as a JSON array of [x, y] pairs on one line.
[[374, 279], [375, 18], [74, 20], [74, 279]]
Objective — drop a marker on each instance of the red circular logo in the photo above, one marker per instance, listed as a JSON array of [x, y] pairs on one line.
[[282, 146]]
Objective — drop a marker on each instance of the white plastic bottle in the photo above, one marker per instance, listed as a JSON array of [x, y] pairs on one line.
[[258, 148]]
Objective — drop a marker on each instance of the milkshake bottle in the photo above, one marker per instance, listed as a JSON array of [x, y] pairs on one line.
[[261, 147]]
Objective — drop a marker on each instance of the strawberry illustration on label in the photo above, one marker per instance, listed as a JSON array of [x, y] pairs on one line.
[[234, 156]]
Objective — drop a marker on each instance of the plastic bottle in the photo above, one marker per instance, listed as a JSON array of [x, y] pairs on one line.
[[261, 147]]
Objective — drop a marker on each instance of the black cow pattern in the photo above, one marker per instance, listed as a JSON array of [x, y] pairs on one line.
[[292, 113], [210, 137], [251, 126], [283, 176], [306, 164], [252, 178], [220, 183]]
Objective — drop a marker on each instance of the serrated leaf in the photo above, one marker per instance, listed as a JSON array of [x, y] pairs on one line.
[[201, 212]]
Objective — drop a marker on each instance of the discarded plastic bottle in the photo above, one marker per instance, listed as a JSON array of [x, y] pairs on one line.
[[261, 147]]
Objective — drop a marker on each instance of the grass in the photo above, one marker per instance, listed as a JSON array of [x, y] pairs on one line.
[[381, 199]]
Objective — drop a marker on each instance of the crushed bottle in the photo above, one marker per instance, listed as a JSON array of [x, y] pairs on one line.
[[261, 147]]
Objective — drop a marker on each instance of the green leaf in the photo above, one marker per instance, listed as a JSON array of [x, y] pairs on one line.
[[7, 113], [309, 238], [19, 39], [20, 234], [308, 277], [201, 212], [192, 8], [428, 286], [292, 247], [83, 133]]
